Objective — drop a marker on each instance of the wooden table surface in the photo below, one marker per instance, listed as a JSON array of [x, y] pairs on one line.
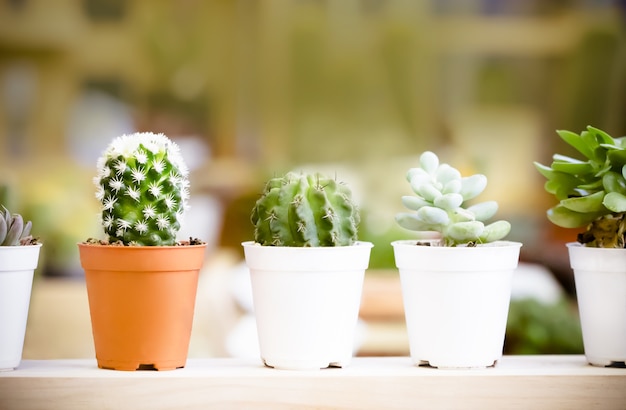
[[516, 382]]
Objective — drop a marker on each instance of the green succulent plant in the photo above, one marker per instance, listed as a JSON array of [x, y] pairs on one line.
[[305, 210], [13, 230], [143, 187], [591, 191], [440, 204]]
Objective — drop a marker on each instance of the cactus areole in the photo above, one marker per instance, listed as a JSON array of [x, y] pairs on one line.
[[305, 210], [142, 184]]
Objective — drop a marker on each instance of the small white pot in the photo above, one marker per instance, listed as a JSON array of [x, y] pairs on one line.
[[17, 267], [600, 276], [306, 302], [456, 301]]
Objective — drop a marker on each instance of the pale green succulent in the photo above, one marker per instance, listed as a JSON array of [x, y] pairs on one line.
[[439, 205], [13, 230], [592, 191]]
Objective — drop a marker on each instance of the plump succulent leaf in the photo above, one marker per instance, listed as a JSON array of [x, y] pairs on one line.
[[614, 182], [464, 215], [617, 157], [429, 162], [463, 232], [566, 218], [452, 187], [412, 222], [590, 203], [414, 202], [615, 202], [440, 204], [495, 231], [589, 189], [602, 137], [3, 229], [433, 216], [13, 230], [484, 210], [449, 202], [546, 171], [577, 141], [572, 168], [445, 174], [428, 191], [473, 186]]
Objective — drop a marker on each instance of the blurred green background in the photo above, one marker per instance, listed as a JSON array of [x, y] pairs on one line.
[[355, 88]]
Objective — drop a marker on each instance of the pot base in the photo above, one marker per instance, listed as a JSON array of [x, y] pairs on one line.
[[287, 364], [426, 363], [131, 366], [604, 362], [7, 369]]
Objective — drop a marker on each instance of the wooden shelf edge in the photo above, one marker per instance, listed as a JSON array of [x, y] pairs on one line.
[[554, 381]]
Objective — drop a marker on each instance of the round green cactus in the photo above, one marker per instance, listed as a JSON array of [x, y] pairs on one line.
[[305, 210], [438, 204], [143, 187], [592, 191]]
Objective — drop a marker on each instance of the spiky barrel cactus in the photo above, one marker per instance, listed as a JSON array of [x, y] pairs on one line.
[[305, 210], [439, 204], [143, 186], [13, 230]]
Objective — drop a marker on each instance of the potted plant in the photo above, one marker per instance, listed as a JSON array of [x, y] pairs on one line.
[[307, 269], [456, 289], [591, 194], [19, 255], [141, 281]]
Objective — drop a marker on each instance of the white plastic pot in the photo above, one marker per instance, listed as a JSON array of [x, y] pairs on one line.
[[306, 302], [17, 267], [600, 276], [456, 301]]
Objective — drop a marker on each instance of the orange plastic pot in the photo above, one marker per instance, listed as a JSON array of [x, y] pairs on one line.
[[141, 301]]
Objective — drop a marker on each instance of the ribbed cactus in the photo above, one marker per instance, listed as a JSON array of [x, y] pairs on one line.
[[440, 204], [13, 231], [305, 210], [143, 188]]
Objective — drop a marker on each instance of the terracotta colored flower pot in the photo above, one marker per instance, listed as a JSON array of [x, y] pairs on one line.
[[141, 301]]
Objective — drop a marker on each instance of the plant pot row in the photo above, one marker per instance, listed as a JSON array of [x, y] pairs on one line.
[[307, 265], [456, 302], [307, 301]]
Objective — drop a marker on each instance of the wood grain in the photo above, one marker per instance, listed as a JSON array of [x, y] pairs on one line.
[[517, 382]]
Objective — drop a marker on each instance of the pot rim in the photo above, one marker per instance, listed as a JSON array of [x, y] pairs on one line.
[[578, 245], [13, 247], [135, 247], [141, 258], [253, 244], [496, 244]]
